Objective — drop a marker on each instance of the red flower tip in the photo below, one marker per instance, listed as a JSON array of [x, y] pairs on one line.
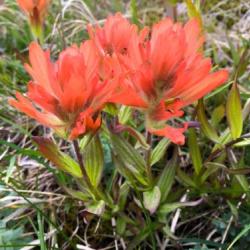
[[174, 134], [35, 10], [114, 36]]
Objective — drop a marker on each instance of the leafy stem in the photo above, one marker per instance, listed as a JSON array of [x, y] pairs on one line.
[[95, 191]]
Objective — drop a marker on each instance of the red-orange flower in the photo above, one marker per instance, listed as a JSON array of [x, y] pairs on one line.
[[66, 95], [167, 71], [114, 36], [34, 9]]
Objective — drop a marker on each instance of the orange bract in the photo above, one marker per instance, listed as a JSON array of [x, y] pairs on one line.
[[35, 9], [114, 36], [166, 71], [66, 95]]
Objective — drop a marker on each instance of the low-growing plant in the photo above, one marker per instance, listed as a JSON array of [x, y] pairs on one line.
[[137, 126]]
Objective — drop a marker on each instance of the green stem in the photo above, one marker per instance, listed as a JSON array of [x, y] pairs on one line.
[[37, 32], [148, 158]]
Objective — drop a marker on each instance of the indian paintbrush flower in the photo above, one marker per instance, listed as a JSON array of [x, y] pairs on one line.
[[66, 95], [165, 71], [36, 11]]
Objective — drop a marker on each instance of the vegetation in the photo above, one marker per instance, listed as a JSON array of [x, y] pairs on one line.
[[199, 195]]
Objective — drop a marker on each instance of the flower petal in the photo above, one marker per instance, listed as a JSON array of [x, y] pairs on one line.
[[173, 134]]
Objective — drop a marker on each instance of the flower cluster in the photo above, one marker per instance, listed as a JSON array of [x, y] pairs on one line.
[[158, 71]]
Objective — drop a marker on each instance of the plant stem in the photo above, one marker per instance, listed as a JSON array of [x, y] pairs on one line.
[[225, 146], [81, 164], [148, 157], [80, 161]]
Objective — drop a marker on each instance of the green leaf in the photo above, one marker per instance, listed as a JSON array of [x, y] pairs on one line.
[[64, 162], [167, 230], [217, 115], [185, 179], [239, 171], [85, 140], [41, 231], [120, 225], [151, 199], [167, 177], [240, 178], [206, 127], [123, 194], [77, 194], [243, 63], [10, 169], [128, 154], [170, 207], [226, 135], [124, 114], [234, 52], [173, 2], [143, 234], [194, 151], [134, 13], [131, 173], [207, 243], [240, 235], [159, 151], [193, 11], [111, 109], [96, 207], [218, 90], [243, 143], [234, 113], [94, 160], [136, 134], [234, 209], [223, 139], [212, 167]]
